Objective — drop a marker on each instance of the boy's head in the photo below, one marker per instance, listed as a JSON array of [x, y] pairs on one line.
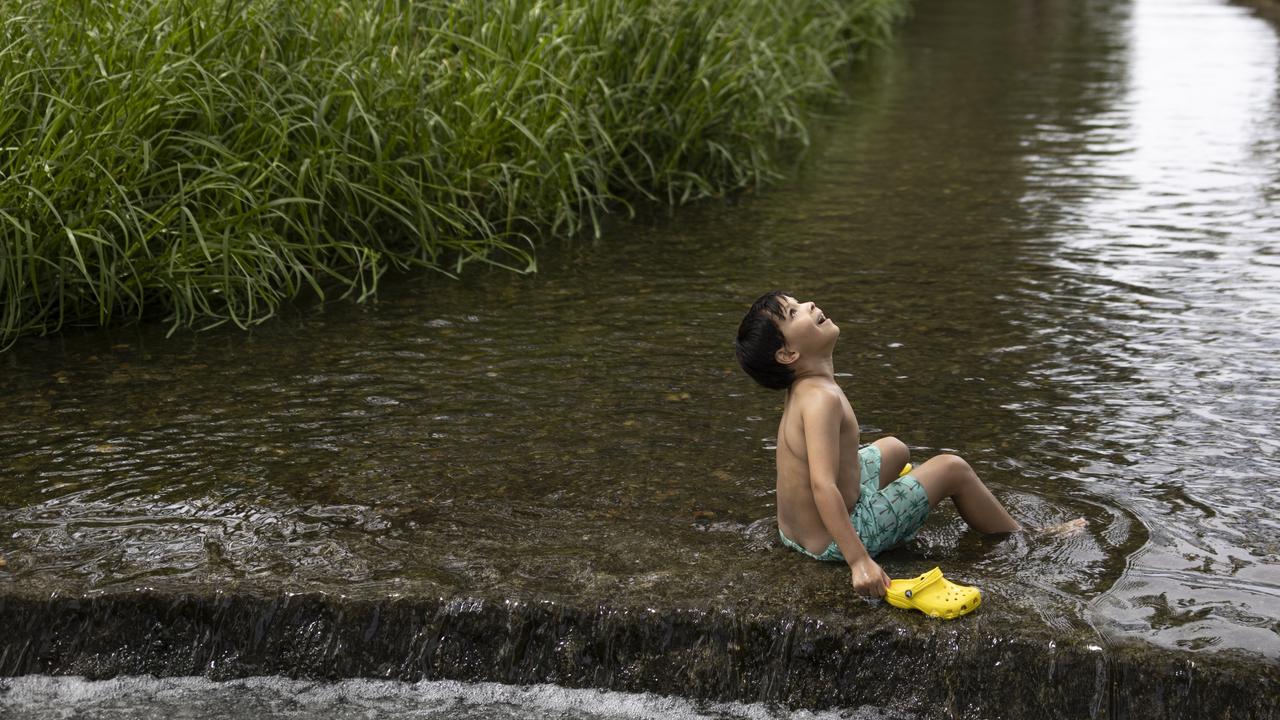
[[776, 332]]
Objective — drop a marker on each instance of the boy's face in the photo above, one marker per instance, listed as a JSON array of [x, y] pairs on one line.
[[806, 329]]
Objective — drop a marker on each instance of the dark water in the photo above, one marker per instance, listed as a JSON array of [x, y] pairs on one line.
[[1047, 230]]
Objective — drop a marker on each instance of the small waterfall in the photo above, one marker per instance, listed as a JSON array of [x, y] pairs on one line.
[[978, 668]]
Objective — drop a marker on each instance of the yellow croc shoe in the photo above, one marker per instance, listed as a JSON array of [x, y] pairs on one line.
[[934, 595], [905, 469]]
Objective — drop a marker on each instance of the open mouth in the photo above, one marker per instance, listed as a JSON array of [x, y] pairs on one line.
[[822, 317]]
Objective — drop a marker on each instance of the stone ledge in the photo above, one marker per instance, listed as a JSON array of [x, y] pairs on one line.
[[978, 666]]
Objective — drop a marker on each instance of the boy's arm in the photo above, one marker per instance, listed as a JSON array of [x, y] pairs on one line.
[[821, 420]]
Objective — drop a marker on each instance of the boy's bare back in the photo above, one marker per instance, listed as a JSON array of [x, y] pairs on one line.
[[816, 418]]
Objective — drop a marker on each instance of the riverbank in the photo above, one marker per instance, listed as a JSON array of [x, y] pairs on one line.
[[205, 161], [993, 664]]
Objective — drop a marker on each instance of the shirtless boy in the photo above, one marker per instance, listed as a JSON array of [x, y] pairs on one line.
[[836, 501]]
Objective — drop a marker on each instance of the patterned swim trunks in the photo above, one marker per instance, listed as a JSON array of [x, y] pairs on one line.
[[882, 518]]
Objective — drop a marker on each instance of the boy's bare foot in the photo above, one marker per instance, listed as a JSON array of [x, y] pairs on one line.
[[1066, 529]]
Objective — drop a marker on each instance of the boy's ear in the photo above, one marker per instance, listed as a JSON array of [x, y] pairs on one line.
[[785, 355]]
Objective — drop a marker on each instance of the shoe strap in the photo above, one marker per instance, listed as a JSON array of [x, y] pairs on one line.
[[924, 581]]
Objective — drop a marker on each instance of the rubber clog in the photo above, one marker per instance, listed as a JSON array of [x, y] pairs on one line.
[[905, 469], [934, 596]]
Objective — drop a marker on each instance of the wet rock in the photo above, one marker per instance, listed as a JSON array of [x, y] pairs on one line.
[[987, 666]]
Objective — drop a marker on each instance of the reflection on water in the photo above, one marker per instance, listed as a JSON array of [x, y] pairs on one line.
[[1173, 258], [1047, 234]]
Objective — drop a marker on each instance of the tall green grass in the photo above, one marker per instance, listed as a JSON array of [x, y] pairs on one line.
[[206, 160]]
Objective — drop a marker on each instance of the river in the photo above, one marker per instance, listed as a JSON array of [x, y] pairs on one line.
[[1048, 232]]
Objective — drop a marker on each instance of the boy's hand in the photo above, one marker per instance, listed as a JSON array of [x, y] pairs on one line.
[[868, 578]]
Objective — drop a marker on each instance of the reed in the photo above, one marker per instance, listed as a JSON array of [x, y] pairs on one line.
[[206, 160]]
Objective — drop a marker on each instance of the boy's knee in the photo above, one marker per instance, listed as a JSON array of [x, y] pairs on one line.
[[894, 445], [954, 464]]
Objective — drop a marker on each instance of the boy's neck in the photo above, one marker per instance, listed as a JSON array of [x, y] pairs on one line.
[[822, 368]]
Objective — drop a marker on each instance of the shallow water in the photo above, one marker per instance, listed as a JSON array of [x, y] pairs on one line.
[[1047, 231]]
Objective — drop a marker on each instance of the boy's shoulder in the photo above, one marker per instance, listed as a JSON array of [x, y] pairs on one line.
[[816, 395]]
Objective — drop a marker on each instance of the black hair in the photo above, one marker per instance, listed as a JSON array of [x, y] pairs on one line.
[[759, 339]]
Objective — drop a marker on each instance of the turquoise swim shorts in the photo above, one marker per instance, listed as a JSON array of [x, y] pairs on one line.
[[882, 518]]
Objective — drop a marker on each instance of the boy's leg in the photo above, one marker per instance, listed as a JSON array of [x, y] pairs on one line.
[[893, 457], [950, 476]]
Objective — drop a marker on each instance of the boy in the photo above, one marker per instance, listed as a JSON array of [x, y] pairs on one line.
[[829, 506]]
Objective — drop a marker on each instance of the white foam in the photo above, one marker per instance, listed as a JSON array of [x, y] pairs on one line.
[[41, 697]]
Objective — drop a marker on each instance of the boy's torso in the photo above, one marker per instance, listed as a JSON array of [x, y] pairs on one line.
[[798, 516]]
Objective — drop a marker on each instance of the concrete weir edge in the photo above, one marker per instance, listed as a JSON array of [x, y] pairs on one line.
[[975, 667]]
